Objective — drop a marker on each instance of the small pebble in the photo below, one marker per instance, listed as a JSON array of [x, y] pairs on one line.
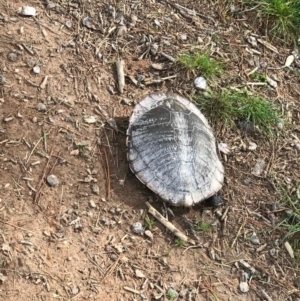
[[244, 287], [2, 278], [68, 24], [139, 274], [254, 239], [51, 120], [183, 36], [92, 204], [2, 80], [200, 83], [251, 40], [247, 181], [112, 122], [52, 180], [74, 290], [280, 125], [252, 146], [157, 23], [95, 189], [134, 19], [137, 228], [36, 69], [140, 77], [271, 82], [289, 60], [259, 167], [149, 234], [153, 48], [12, 56], [28, 11], [47, 233], [41, 107], [273, 252], [183, 292]]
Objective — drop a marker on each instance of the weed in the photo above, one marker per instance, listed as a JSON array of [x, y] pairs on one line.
[[149, 223], [282, 17], [231, 105], [259, 77], [291, 226], [179, 242], [171, 294], [207, 66], [200, 226], [291, 223], [81, 149]]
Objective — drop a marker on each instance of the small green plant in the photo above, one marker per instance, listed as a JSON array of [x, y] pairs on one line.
[[291, 223], [208, 67], [171, 294], [231, 105], [259, 77], [282, 17], [200, 226], [149, 223], [179, 242], [81, 149]]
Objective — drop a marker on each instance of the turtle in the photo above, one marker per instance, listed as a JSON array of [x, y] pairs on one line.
[[172, 150]]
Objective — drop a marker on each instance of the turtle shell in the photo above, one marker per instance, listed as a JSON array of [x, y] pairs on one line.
[[172, 150]]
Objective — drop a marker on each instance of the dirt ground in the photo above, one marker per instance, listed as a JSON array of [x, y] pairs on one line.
[[75, 240]]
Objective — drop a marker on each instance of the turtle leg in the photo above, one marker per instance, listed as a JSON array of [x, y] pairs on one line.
[[214, 201]]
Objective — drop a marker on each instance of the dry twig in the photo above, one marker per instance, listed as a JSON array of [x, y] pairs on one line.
[[121, 77], [168, 225]]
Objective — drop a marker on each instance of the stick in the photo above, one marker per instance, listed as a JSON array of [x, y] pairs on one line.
[[41, 183], [158, 80], [6, 223], [129, 289], [44, 82], [121, 77], [238, 234], [168, 225], [107, 173], [33, 150]]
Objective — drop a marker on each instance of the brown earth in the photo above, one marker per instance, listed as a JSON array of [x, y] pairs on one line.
[[70, 242]]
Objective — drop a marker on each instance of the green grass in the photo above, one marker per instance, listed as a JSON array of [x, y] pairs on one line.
[[206, 66], [259, 77], [232, 106], [171, 295], [179, 242], [149, 223], [291, 223], [281, 17], [200, 226], [82, 149]]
